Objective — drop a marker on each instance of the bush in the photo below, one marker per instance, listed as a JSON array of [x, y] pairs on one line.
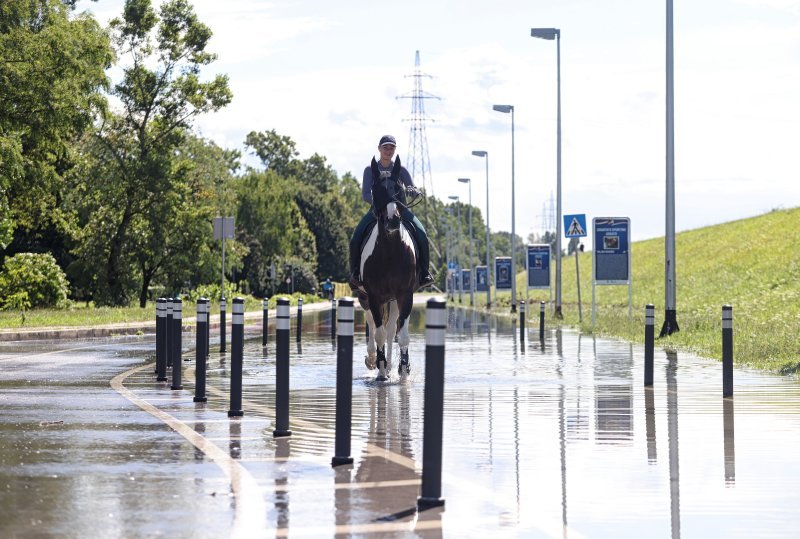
[[32, 280]]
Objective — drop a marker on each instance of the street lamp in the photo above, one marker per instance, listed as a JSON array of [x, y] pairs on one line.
[[482, 153], [506, 109], [459, 258], [550, 34], [471, 287]]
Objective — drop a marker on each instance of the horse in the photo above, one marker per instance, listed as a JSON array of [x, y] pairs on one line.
[[389, 275]]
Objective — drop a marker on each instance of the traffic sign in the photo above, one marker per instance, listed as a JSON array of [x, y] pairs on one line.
[[575, 225]]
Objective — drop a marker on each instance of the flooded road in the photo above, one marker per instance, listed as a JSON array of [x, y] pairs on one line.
[[548, 438]]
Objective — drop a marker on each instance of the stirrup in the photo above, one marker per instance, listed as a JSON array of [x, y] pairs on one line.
[[354, 282]]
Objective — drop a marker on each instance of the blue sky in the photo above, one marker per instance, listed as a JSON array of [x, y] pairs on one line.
[[328, 74]]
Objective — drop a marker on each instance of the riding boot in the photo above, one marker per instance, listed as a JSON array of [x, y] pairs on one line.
[[425, 278], [355, 277]]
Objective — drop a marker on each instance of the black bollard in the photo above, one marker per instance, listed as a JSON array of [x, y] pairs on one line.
[[727, 351], [222, 325], [265, 323], [649, 338], [541, 321], [299, 318], [522, 321], [208, 330], [200, 351], [168, 333], [282, 370], [161, 339], [344, 382], [333, 319], [435, 326], [237, 357], [177, 343]]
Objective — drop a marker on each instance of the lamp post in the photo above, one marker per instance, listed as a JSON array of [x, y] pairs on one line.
[[471, 286], [459, 258], [550, 34], [506, 109], [482, 153]]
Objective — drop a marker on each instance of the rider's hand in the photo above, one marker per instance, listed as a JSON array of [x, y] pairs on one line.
[[412, 191]]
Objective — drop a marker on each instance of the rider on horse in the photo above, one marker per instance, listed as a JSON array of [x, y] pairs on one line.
[[386, 147]]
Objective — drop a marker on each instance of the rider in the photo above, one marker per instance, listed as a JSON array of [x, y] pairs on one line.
[[386, 147]]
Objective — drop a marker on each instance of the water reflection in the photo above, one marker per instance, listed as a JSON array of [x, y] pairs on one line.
[[672, 435], [281, 495], [235, 438], [613, 398], [650, 424], [728, 441]]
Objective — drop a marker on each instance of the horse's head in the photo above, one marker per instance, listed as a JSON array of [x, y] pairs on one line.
[[388, 196]]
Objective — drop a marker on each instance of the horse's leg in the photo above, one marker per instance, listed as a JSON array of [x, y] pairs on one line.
[[391, 331], [380, 341], [403, 339], [369, 360]]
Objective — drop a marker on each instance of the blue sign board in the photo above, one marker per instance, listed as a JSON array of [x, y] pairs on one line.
[[575, 225], [612, 250], [466, 275], [538, 266], [451, 265], [502, 272], [481, 278]]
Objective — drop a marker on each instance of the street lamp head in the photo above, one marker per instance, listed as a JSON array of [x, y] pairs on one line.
[[503, 108], [453, 197], [545, 33], [479, 153], [464, 180]]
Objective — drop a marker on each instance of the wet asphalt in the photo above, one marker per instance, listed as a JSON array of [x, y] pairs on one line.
[[553, 436]]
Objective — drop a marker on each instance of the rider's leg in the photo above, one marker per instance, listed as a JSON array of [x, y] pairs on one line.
[[355, 250], [425, 278]]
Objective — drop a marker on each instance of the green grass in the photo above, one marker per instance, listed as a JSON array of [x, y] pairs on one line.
[[751, 264], [80, 315]]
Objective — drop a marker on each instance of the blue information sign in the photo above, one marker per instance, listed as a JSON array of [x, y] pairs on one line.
[[575, 225], [538, 266], [481, 278], [502, 272], [465, 278], [612, 260]]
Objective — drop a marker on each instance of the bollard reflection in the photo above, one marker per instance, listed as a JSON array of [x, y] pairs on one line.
[[728, 441], [343, 497], [282, 452], [650, 424], [235, 438], [672, 435]]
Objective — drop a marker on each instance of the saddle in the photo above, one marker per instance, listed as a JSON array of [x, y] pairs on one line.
[[412, 231]]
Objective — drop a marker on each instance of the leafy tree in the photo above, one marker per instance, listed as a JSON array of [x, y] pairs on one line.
[[32, 280], [138, 184], [52, 69]]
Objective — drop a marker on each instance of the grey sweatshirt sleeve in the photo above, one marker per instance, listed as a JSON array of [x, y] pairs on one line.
[[366, 183]]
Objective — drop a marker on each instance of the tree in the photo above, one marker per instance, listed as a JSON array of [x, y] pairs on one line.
[[52, 71], [135, 150]]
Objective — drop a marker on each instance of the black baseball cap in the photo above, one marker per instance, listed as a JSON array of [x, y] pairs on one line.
[[387, 139]]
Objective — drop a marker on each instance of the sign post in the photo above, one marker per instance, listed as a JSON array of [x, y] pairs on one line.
[[575, 227], [611, 263]]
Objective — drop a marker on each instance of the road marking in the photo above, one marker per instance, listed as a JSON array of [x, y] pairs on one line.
[[250, 510]]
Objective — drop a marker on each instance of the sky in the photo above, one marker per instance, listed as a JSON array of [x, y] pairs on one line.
[[331, 75]]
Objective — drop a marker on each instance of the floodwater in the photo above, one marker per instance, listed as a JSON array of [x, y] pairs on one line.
[[543, 438]]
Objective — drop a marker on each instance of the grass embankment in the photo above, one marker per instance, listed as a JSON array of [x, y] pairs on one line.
[[83, 315], [751, 264]]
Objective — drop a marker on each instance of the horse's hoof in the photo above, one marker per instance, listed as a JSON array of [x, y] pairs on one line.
[[381, 378], [369, 362], [404, 369]]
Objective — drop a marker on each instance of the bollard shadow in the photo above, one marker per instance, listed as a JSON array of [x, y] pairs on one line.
[[729, 448]]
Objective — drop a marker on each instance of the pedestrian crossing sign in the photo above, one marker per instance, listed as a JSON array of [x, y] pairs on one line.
[[575, 225]]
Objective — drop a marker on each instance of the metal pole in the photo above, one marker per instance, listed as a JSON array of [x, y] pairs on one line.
[[578, 282], [513, 225], [200, 352], [344, 382], [488, 242], [333, 318], [670, 317], [649, 332], [541, 321], [522, 321], [223, 306], [558, 313], [727, 351], [177, 322], [168, 334], [282, 370], [161, 340], [265, 323], [435, 329], [237, 357], [299, 319]]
